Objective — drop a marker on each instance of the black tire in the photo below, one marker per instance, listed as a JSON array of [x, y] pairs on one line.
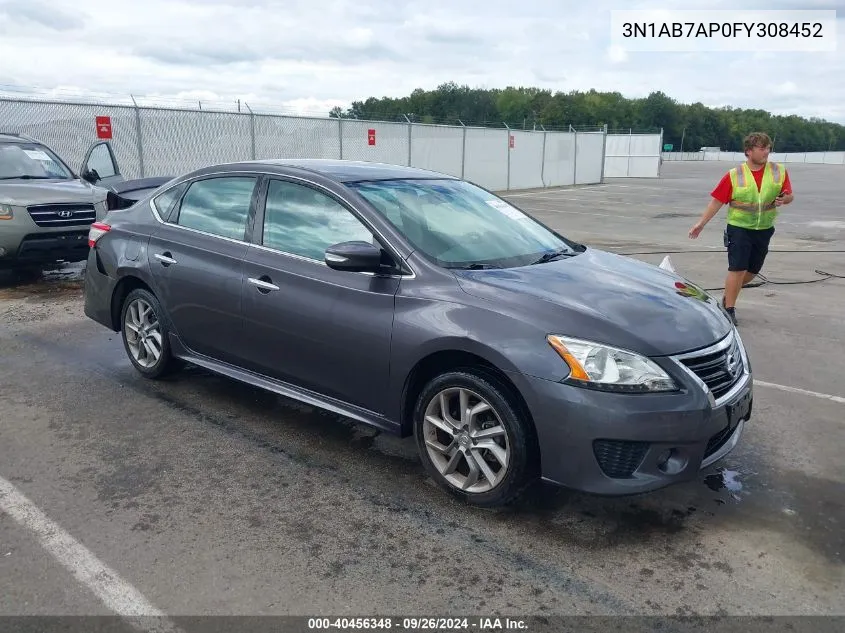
[[166, 362], [27, 273], [522, 469]]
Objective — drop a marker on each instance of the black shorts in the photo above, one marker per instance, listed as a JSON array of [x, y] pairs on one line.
[[747, 248]]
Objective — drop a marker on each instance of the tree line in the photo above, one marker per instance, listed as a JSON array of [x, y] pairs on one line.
[[692, 126]]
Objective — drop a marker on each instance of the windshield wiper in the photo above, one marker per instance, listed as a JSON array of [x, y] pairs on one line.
[[474, 267], [547, 257]]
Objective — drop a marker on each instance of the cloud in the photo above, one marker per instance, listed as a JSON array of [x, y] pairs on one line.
[[303, 54], [617, 54], [39, 14], [786, 88]]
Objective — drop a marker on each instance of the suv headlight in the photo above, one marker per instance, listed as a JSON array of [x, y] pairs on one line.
[[6, 212], [608, 368]]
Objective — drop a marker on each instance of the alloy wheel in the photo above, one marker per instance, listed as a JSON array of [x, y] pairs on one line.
[[466, 440], [143, 333]]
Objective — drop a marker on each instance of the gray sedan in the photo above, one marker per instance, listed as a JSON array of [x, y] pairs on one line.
[[427, 306]]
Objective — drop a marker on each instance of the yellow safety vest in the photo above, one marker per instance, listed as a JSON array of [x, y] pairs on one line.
[[752, 209]]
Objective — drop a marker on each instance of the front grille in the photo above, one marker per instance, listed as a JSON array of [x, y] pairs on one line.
[[619, 459], [62, 215], [719, 370]]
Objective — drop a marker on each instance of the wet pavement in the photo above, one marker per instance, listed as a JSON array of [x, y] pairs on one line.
[[58, 277], [212, 497]]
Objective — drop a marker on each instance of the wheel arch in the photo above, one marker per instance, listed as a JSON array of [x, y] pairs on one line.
[[442, 361], [122, 289]]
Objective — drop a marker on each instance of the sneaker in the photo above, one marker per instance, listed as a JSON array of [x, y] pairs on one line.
[[731, 312]]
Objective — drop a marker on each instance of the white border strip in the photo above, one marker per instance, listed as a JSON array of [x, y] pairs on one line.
[[815, 394], [117, 594]]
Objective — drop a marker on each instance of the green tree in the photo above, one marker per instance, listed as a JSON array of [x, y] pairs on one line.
[[527, 107]]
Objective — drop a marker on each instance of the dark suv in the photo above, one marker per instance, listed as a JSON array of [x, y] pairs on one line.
[[425, 305]]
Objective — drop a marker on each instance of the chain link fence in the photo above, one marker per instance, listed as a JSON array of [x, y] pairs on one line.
[[159, 141]]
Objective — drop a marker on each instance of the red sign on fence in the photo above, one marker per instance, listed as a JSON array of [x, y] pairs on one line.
[[103, 127], [371, 137], [510, 141]]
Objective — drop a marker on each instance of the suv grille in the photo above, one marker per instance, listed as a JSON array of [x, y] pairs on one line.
[[719, 369], [62, 215]]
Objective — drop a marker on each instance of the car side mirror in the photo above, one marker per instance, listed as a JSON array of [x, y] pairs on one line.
[[355, 256], [89, 175]]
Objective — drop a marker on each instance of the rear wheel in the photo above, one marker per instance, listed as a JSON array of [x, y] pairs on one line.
[[145, 335], [473, 440]]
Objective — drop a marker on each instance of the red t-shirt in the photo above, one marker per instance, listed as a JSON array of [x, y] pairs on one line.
[[724, 190]]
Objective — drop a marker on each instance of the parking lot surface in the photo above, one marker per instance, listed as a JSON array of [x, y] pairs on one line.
[[199, 495]]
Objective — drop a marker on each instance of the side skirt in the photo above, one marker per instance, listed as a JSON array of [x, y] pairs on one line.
[[284, 389]]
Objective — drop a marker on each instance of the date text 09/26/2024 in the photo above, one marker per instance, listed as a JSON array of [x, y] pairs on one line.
[[418, 624]]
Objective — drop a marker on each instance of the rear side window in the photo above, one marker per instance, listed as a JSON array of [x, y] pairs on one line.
[[219, 206]]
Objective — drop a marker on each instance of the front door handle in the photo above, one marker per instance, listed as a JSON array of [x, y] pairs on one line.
[[165, 258], [264, 284]]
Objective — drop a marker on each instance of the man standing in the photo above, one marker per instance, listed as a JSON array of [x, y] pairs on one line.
[[753, 192]]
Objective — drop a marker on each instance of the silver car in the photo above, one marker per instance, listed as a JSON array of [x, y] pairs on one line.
[[46, 209]]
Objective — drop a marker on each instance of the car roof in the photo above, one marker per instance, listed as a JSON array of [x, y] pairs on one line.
[[347, 170], [6, 137]]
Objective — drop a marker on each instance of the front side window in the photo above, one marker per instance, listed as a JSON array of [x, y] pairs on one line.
[[459, 225], [219, 206], [303, 221], [30, 161]]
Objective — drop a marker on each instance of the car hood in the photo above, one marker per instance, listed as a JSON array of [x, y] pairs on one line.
[[22, 193], [607, 298]]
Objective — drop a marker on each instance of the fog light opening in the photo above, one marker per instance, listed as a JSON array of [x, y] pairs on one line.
[[671, 461]]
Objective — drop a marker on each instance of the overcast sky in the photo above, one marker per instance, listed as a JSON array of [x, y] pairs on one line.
[[310, 55]]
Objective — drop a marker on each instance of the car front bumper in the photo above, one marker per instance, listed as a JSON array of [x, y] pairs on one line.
[[23, 242], [44, 248], [618, 444]]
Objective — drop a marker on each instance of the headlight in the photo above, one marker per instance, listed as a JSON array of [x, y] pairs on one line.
[[610, 369], [6, 212]]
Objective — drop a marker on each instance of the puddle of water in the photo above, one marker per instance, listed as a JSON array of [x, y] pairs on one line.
[[49, 279], [725, 480], [73, 271]]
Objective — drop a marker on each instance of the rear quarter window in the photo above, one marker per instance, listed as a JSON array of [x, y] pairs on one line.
[[165, 201]]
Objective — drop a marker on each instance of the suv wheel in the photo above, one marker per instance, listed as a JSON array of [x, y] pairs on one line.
[[472, 440], [145, 334]]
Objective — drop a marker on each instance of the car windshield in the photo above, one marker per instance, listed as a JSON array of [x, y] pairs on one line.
[[30, 161], [460, 225]]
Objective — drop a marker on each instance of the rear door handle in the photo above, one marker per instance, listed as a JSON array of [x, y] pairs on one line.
[[165, 258], [263, 284]]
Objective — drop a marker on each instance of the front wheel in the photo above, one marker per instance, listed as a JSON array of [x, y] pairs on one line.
[[145, 335], [473, 441]]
